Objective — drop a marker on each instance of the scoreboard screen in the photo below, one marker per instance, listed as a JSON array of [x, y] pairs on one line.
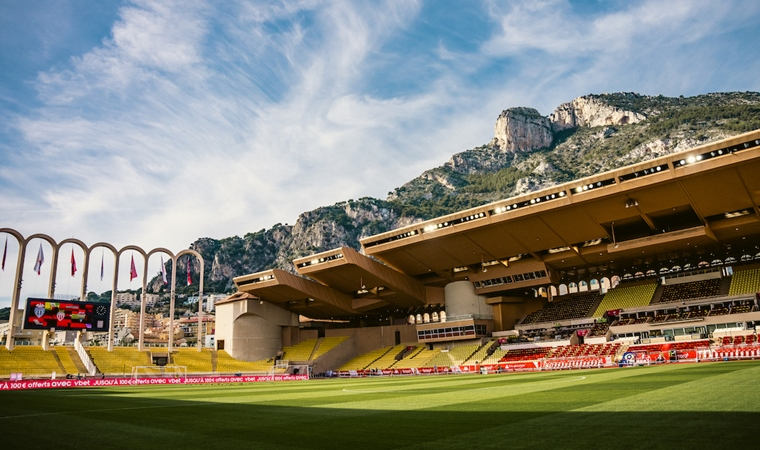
[[44, 313]]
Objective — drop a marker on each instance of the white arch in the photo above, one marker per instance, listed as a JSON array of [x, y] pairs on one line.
[[24, 242]]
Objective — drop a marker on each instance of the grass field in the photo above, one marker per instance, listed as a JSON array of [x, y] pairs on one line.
[[705, 405]]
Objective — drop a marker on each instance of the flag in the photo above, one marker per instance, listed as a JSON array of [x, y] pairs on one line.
[[189, 279], [5, 252], [40, 260], [102, 271], [163, 271], [132, 270], [73, 263]]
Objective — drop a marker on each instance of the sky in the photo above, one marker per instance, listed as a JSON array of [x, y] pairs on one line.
[[155, 122]]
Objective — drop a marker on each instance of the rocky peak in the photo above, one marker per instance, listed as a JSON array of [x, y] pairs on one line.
[[521, 129], [591, 111]]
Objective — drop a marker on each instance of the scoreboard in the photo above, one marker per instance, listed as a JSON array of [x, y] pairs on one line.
[[45, 313]]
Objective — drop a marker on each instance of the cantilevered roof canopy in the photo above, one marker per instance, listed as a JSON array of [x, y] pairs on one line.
[[697, 205], [699, 202], [368, 281], [296, 294]]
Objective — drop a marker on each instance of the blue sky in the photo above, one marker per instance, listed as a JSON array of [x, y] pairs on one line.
[[157, 122]]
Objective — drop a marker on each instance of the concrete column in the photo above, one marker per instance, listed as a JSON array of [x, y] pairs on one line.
[[461, 299]]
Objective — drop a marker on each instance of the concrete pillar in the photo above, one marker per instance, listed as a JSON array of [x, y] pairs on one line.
[[461, 299]]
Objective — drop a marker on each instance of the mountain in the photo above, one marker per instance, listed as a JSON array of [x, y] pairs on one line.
[[590, 134]]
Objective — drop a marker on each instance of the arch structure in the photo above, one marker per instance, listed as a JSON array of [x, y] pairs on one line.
[[23, 243]]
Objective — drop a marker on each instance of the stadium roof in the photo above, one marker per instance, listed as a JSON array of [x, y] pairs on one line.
[[685, 208]]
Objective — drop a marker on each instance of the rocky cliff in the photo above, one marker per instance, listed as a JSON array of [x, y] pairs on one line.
[[521, 130], [592, 111], [528, 152]]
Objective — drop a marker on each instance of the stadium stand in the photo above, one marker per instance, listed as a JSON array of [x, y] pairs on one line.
[[365, 360], [29, 360], [389, 359], [419, 358], [119, 361], [692, 290], [525, 354], [495, 357], [462, 353], [195, 361], [625, 297], [745, 282], [481, 354], [599, 329], [328, 344], [574, 307], [299, 352], [227, 364], [68, 364], [442, 359], [583, 350], [679, 345]]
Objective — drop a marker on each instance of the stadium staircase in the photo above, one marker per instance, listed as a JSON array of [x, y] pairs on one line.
[[479, 355], [300, 352], [64, 360], [74, 357], [417, 358], [324, 345]]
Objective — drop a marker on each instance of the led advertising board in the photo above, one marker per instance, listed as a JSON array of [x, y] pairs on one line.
[[45, 313]]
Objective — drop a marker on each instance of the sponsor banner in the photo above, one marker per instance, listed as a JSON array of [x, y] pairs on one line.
[[531, 365], [96, 382], [575, 363]]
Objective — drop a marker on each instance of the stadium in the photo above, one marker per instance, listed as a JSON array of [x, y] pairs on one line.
[[620, 307]]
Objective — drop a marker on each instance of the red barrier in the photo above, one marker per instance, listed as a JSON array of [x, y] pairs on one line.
[[97, 382]]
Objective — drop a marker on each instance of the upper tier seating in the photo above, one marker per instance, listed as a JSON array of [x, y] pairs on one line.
[[745, 282], [625, 297], [688, 291], [574, 307]]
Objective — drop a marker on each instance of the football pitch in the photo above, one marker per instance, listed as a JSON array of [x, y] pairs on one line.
[[703, 405]]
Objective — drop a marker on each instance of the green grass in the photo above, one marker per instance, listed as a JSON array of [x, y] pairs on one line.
[[705, 405]]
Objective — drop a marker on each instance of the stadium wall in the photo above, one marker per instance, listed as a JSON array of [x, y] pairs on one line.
[[251, 330]]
